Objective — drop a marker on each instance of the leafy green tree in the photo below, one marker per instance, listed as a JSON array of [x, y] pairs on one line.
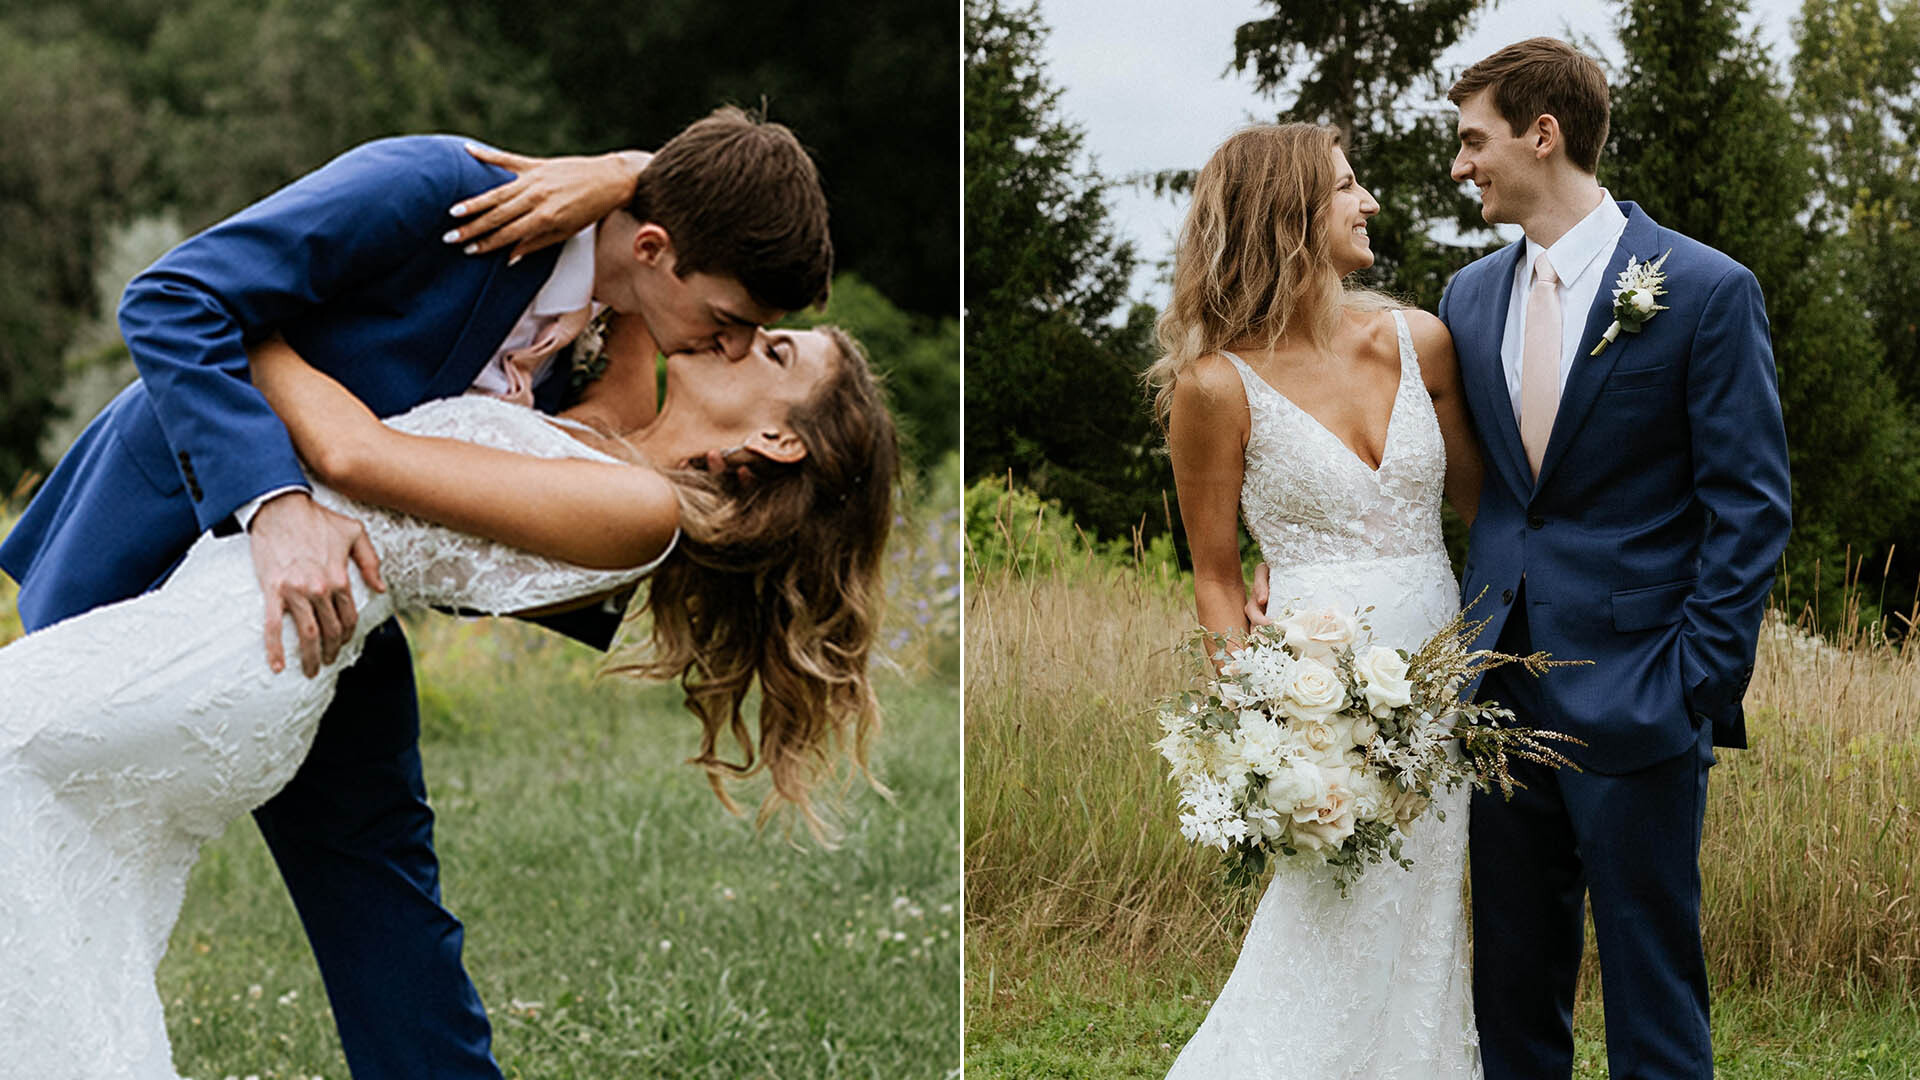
[[870, 88], [69, 153], [1053, 393], [1371, 69]]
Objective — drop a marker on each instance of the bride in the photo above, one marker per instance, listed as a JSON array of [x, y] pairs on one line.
[[132, 733], [1333, 423]]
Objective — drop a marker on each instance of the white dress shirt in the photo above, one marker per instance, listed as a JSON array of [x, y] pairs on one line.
[[569, 288], [1580, 257]]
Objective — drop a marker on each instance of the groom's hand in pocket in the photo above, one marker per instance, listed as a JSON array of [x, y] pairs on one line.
[[302, 555]]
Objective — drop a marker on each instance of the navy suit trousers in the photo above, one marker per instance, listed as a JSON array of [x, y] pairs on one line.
[[353, 836], [1631, 842]]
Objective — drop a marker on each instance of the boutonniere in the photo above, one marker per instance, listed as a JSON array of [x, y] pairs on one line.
[[1636, 294], [590, 351]]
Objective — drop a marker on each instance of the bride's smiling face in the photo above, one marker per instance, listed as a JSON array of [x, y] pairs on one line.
[[1351, 205], [746, 400]]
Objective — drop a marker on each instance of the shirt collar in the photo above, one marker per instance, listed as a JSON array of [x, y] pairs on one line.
[[1580, 248], [570, 286]]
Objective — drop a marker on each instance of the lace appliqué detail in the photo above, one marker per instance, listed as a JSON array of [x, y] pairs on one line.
[[133, 732], [1374, 986]]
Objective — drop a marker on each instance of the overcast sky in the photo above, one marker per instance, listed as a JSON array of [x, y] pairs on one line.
[[1144, 80]]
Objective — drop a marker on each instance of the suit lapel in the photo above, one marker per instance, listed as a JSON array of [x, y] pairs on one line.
[[1486, 376], [1589, 373], [503, 296]]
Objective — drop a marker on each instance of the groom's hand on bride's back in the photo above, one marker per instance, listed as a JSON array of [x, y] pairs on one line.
[[548, 200], [302, 555]]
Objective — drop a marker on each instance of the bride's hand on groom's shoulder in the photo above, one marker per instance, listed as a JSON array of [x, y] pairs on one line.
[[548, 200]]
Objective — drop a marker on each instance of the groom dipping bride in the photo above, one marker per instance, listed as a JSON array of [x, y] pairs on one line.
[[757, 496], [1630, 464]]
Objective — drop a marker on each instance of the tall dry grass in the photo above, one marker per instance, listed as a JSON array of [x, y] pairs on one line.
[[1074, 862]]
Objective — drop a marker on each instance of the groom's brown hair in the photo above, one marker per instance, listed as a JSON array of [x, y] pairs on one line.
[[739, 196], [1545, 75]]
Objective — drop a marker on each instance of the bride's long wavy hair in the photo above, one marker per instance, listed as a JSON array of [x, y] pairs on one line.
[[778, 580], [1253, 257]]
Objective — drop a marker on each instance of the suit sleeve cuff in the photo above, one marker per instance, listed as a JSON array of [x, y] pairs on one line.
[[252, 506]]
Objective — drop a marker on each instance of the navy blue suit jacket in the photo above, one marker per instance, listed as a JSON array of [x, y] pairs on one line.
[[347, 264], [1648, 542]]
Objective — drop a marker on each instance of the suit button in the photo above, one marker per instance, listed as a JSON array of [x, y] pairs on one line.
[[1535, 521], [1506, 596]]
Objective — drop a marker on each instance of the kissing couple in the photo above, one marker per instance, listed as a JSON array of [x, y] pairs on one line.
[[1598, 402], [342, 413]]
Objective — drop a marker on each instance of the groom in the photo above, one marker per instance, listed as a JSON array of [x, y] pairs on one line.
[[726, 229], [1634, 505]]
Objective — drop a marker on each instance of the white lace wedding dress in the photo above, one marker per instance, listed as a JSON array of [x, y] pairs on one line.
[[1374, 986], [131, 734]]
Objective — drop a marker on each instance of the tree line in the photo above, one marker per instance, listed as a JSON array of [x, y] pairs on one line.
[[1809, 175]]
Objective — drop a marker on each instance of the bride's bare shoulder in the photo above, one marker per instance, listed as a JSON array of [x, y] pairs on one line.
[[1429, 334], [1211, 376], [1204, 393]]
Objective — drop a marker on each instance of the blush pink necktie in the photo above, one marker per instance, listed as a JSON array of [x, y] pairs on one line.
[[1540, 363]]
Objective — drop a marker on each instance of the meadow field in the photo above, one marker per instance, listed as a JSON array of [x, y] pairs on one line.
[[619, 922], [1096, 936]]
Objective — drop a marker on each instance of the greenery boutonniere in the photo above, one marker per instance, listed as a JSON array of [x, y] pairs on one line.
[[1636, 294]]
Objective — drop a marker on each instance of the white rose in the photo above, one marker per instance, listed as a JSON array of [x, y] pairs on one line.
[[1315, 692], [1385, 675], [1408, 805], [1317, 635], [1641, 301], [1329, 819], [1317, 734]]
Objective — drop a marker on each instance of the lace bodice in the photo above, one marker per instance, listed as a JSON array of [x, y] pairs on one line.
[[1307, 498]]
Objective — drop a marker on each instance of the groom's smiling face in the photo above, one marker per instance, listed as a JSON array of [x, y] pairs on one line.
[[1505, 167]]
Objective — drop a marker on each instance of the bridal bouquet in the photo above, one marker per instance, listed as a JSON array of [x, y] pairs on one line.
[[1312, 741]]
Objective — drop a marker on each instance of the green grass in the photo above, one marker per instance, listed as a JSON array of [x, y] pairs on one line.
[[1096, 935], [1135, 1030], [619, 922]]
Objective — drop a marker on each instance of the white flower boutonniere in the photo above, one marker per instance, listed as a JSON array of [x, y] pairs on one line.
[[1636, 294]]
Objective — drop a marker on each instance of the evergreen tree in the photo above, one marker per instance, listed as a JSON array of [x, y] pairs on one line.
[[1703, 139], [1052, 386]]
